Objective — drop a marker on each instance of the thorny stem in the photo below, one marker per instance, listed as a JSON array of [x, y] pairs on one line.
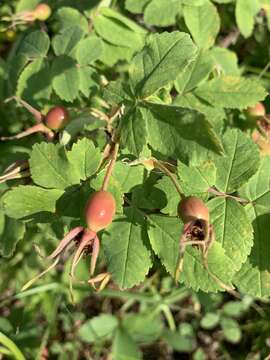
[[110, 167], [37, 114], [163, 168], [218, 193]]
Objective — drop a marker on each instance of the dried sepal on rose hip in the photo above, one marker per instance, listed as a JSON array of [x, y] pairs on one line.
[[99, 214], [55, 119], [197, 229], [17, 170], [41, 12]]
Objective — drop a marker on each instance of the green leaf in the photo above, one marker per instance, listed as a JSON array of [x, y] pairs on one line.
[[65, 42], [180, 343], [85, 157], [254, 276], [231, 92], [195, 180], [24, 201], [160, 13], [126, 250], [11, 232], [88, 50], [34, 83], [124, 348], [174, 131], [117, 92], [35, 45], [98, 329], [245, 15], [136, 6], [50, 167], [9, 344], [164, 234], [118, 30], [134, 130], [240, 162], [113, 53], [143, 327], [233, 230], [66, 78], [210, 321], [225, 61], [194, 2], [66, 16], [155, 66], [231, 330], [88, 80], [257, 189], [172, 196], [128, 176], [203, 23], [195, 73]]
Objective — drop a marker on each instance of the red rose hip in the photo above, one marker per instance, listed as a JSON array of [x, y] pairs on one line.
[[57, 118], [193, 208], [100, 210]]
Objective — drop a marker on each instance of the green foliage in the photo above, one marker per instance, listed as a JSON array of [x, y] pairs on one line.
[[157, 93]]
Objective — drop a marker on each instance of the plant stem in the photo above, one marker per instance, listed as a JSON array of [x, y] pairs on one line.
[[218, 193], [37, 114], [164, 169], [110, 167]]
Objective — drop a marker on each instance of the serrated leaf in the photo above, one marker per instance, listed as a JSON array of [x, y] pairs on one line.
[[160, 13], [11, 232], [172, 196], [128, 176], [134, 130], [241, 161], [117, 92], [175, 132], [257, 189], [233, 229], [98, 329], [66, 16], [245, 15], [164, 234], [117, 30], [85, 157], [50, 167], [126, 250], [155, 66], [88, 80], [213, 114], [136, 6], [88, 50], [195, 73], [196, 179], [35, 45], [254, 276], [203, 23], [34, 83], [66, 42], [124, 348], [24, 201], [226, 61], [231, 92], [66, 78], [113, 53]]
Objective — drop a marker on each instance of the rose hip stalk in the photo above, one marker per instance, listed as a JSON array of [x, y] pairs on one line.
[[56, 118], [99, 213], [42, 12]]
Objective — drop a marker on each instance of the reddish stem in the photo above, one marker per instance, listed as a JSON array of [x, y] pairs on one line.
[[34, 129], [95, 252], [36, 113], [110, 168]]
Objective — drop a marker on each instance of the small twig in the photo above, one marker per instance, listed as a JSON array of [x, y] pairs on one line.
[[230, 39], [110, 167], [218, 193], [164, 169], [37, 114]]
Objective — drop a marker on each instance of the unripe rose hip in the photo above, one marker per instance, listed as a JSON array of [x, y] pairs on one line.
[[100, 210], [42, 12], [57, 118], [193, 208], [257, 110]]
